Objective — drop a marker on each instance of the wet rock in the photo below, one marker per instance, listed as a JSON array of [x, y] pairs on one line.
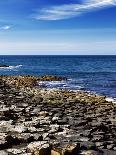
[[19, 129], [16, 151], [51, 78], [62, 121], [43, 113], [45, 150], [3, 153], [10, 115], [12, 140], [68, 149], [110, 146], [73, 151], [36, 146], [2, 66], [2, 144], [55, 118], [54, 152], [91, 152]]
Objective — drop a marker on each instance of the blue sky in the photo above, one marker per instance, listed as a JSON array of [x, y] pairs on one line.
[[58, 27]]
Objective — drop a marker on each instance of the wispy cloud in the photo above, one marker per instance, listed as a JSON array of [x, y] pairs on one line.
[[71, 10], [5, 27]]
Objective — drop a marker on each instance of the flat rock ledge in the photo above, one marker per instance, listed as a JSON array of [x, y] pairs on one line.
[[28, 81], [39, 121]]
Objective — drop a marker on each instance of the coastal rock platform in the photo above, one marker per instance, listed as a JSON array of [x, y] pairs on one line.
[[41, 121]]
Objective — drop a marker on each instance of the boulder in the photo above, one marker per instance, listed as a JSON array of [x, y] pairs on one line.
[[54, 152], [3, 153], [37, 146], [2, 66]]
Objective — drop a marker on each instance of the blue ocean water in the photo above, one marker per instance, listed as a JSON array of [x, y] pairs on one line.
[[89, 73]]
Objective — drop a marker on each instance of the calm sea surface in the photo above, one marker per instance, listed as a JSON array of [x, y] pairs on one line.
[[91, 73]]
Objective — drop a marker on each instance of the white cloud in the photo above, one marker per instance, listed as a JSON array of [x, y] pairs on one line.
[[82, 47], [71, 10], [5, 27]]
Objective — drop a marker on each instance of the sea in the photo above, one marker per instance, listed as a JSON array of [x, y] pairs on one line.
[[95, 74]]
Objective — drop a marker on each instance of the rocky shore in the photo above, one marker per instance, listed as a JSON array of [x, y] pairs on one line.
[[41, 121]]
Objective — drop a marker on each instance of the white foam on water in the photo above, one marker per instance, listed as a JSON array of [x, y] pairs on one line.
[[71, 86], [52, 83], [59, 84], [11, 67], [110, 99]]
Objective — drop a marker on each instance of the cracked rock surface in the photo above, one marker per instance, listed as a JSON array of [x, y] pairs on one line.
[[40, 121]]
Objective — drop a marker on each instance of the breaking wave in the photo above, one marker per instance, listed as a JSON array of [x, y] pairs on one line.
[[11, 67], [60, 84]]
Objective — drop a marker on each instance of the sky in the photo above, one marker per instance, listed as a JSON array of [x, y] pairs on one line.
[[57, 27]]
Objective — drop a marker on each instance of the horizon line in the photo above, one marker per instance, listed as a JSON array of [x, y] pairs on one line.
[[59, 55]]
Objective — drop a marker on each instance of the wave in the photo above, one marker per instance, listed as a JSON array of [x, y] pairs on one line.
[[110, 99], [71, 86], [52, 84], [60, 84], [11, 67]]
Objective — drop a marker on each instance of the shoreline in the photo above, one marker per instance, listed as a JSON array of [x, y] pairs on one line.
[[31, 119]]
